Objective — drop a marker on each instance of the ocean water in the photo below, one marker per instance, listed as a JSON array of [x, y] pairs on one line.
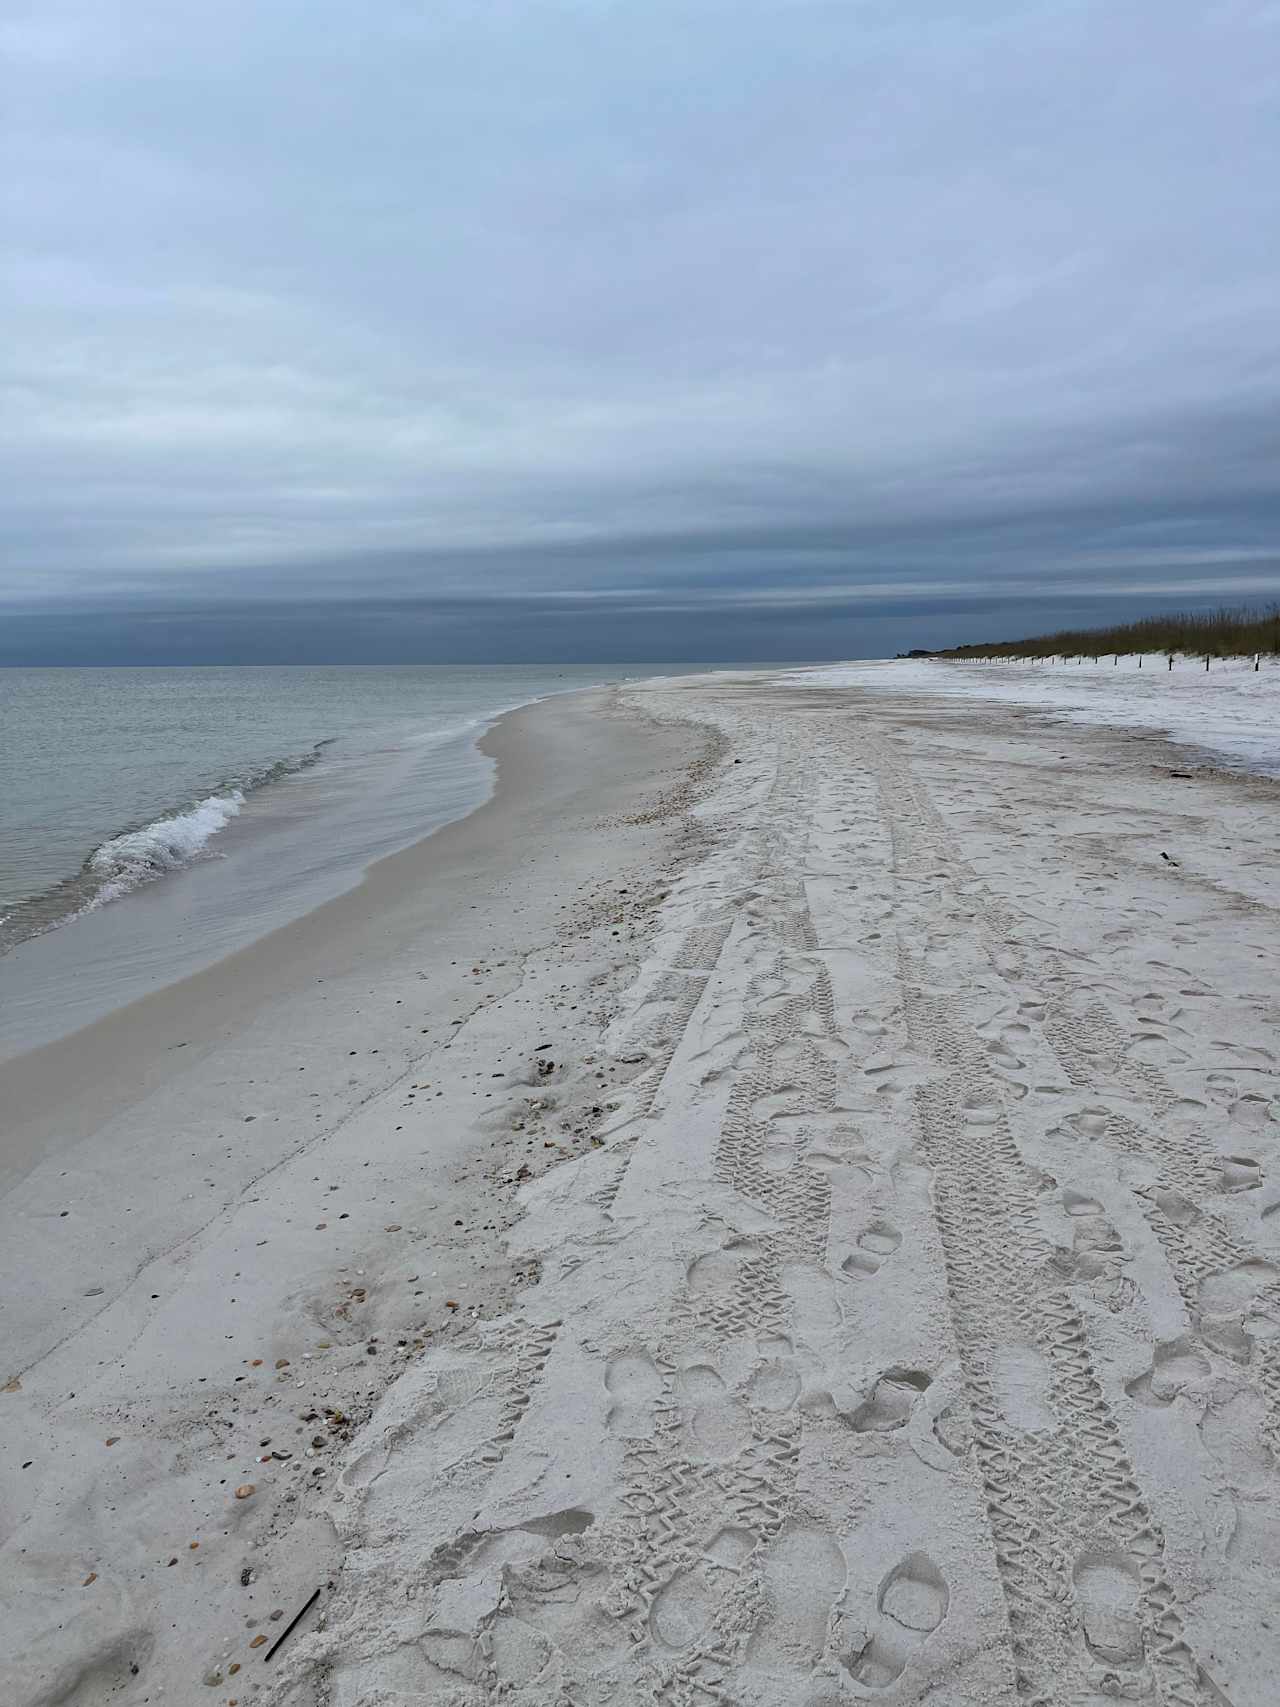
[[153, 820]]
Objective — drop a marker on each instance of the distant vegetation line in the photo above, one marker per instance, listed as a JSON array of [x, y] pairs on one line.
[[1221, 634]]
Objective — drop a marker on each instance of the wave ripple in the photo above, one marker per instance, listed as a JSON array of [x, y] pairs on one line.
[[126, 861]]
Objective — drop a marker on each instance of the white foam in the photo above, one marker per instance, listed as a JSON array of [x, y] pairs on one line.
[[127, 861]]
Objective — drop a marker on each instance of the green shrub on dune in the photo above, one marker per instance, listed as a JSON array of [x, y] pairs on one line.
[[1220, 634]]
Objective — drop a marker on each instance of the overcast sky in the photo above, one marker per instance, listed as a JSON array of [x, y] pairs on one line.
[[632, 328]]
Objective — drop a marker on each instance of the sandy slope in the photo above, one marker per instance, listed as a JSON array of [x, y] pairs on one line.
[[913, 1333]]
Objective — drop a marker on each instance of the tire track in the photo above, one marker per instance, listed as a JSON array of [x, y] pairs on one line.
[[1068, 1516], [717, 1462], [1198, 1245]]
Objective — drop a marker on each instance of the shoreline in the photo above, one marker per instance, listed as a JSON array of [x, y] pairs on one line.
[[159, 1264], [151, 1023], [86, 851], [124, 861], [694, 1210], [128, 1044], [139, 929], [171, 838], [129, 1041]]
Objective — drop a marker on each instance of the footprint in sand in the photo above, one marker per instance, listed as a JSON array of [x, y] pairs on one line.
[[718, 1427], [1076, 1203], [774, 1385], [1090, 1123], [1096, 1246], [433, 1423], [953, 1428], [782, 1100], [981, 1109], [811, 1291], [1233, 1431], [803, 1572], [1239, 1173], [912, 1602], [683, 1609], [875, 1246], [1174, 1206], [1002, 1056], [1177, 1366], [1108, 1592], [1233, 1313], [1233, 1290], [634, 1387], [1253, 1113], [730, 1548], [892, 1400]]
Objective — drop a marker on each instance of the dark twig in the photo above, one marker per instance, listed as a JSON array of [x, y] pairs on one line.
[[290, 1627]]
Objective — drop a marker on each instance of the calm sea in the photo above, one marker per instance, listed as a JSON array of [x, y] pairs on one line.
[[152, 820]]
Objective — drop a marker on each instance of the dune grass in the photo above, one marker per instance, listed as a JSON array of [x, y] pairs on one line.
[[1219, 634]]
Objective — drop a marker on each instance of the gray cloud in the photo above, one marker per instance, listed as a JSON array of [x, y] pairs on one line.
[[667, 306]]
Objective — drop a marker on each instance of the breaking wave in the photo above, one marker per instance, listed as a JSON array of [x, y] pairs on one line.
[[163, 845], [135, 856]]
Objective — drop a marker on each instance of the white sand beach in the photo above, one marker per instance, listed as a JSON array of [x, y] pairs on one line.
[[777, 1207]]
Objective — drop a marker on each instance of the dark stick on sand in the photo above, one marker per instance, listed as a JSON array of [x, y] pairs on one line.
[[290, 1626]]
